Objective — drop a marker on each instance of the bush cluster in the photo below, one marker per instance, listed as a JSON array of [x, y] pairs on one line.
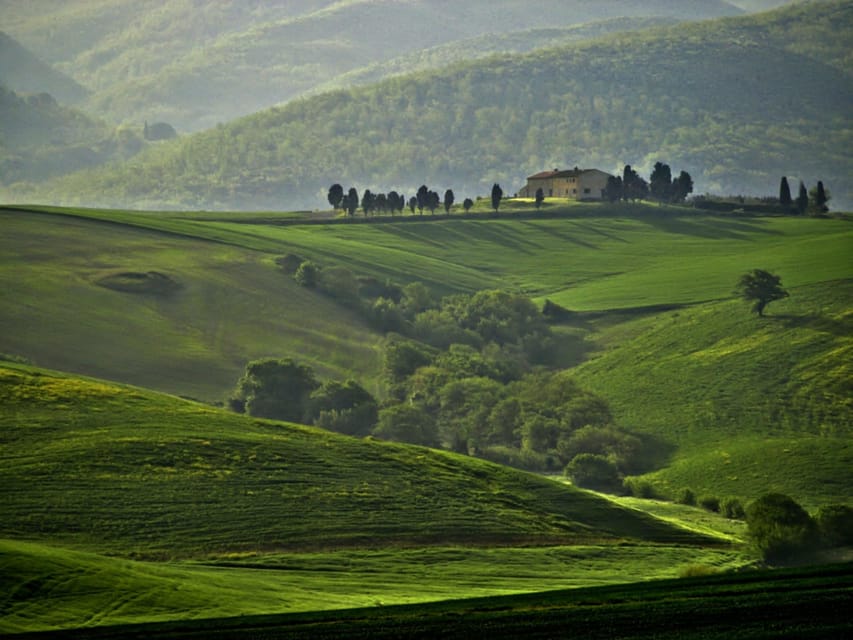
[[780, 529], [472, 374]]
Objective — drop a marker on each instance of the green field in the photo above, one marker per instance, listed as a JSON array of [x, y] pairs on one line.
[[766, 605], [144, 507], [216, 506]]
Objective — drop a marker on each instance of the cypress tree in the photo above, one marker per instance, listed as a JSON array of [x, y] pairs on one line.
[[802, 199], [820, 198], [784, 193]]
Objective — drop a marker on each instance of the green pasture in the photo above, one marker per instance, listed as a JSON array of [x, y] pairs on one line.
[[147, 507], [587, 263], [228, 305], [752, 404], [121, 505], [48, 587], [808, 602], [121, 470], [582, 256]]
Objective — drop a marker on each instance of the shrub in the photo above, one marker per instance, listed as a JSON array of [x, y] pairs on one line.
[[277, 389], [710, 503], [593, 472], [686, 496], [639, 488], [835, 524], [779, 527], [307, 274], [732, 508], [385, 316]]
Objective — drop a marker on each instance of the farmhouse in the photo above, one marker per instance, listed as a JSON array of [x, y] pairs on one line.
[[576, 184]]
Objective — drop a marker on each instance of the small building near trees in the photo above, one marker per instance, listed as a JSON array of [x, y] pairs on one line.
[[575, 184]]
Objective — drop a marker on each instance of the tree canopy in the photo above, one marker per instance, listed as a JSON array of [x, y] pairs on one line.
[[761, 288]]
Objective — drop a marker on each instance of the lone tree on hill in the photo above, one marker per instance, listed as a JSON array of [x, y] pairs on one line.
[[449, 198], [761, 288], [467, 204], [497, 194], [336, 195], [540, 197], [785, 193]]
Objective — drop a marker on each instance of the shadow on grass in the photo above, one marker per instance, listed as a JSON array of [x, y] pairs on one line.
[[841, 328], [717, 228]]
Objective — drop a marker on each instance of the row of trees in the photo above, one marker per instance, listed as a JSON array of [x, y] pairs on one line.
[[661, 185], [393, 202], [818, 198], [630, 186]]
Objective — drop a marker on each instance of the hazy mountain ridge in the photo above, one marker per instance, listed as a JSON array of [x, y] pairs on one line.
[[41, 138], [197, 64], [23, 72], [737, 102], [483, 46]]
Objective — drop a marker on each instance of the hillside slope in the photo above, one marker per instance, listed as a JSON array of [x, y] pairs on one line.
[[127, 471], [736, 102], [754, 404], [232, 304], [213, 308]]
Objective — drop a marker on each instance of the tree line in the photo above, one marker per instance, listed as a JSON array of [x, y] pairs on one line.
[[393, 202], [817, 198], [661, 186], [630, 186]]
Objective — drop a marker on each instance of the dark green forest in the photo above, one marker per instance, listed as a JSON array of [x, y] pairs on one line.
[[735, 102]]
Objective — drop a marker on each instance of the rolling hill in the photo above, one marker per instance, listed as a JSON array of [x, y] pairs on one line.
[[197, 64], [145, 507], [736, 102], [227, 515], [223, 307]]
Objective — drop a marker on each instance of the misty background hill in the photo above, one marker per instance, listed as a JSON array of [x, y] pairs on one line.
[[736, 102], [196, 64]]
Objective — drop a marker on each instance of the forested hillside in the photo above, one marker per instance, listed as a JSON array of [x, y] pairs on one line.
[[195, 64], [41, 138], [736, 102], [487, 45]]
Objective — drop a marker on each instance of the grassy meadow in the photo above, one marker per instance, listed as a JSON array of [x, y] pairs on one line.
[[189, 511], [227, 306], [123, 505]]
